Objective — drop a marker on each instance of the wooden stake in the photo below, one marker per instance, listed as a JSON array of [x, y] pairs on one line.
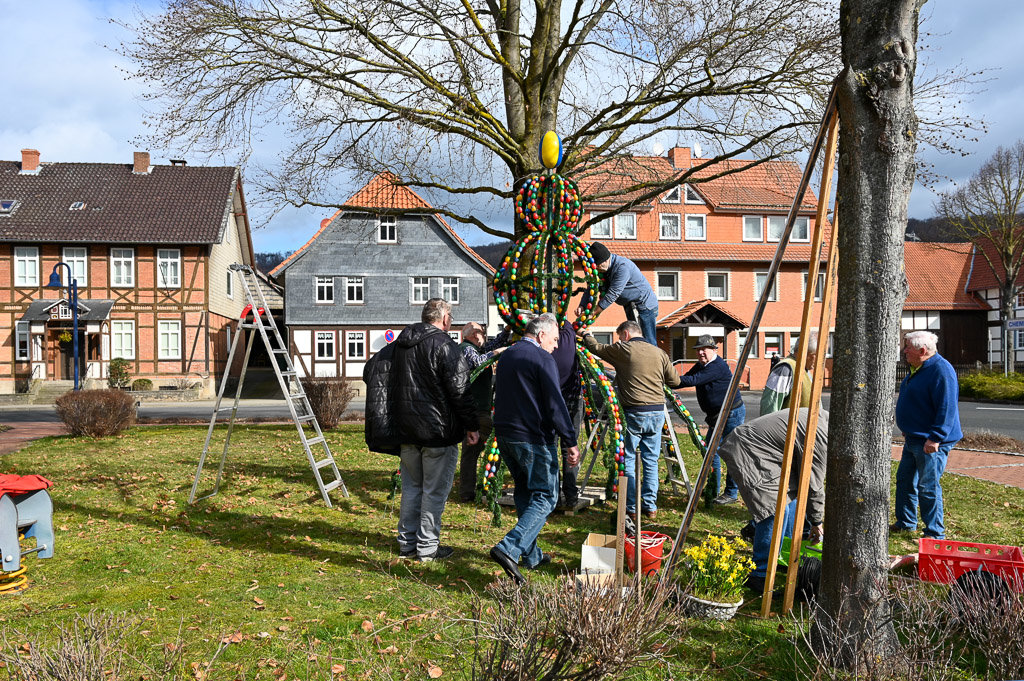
[[620, 532], [782, 499]]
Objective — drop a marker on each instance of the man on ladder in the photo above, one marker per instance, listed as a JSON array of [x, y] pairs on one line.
[[419, 405]]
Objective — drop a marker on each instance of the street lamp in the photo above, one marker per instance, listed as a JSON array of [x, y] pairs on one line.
[[55, 282]]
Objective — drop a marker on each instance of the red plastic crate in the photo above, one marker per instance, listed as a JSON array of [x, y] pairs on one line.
[[942, 561]]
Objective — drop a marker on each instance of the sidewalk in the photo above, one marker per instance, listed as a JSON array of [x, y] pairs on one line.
[[1004, 469], [23, 433]]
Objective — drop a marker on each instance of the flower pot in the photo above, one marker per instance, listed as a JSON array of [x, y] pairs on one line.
[[698, 607]]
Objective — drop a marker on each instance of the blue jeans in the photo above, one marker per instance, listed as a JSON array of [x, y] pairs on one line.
[[917, 482], [763, 537], [647, 319], [736, 418], [535, 471], [643, 433]]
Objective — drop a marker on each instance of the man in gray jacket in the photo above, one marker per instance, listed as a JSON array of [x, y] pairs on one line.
[[753, 453]]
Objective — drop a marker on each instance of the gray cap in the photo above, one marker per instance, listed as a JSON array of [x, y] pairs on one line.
[[706, 341]]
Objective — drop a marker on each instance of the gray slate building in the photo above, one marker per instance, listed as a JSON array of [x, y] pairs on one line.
[[364, 276]]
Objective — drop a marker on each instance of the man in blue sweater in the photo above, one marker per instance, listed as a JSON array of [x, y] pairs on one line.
[[529, 413], [711, 376], [622, 282], [926, 412]]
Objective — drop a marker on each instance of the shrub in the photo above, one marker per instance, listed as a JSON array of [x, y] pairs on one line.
[[142, 384], [96, 413], [993, 386], [329, 398], [117, 373]]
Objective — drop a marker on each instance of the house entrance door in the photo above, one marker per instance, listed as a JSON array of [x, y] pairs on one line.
[[65, 359]]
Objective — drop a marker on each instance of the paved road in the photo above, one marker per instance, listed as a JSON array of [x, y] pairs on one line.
[[974, 416]]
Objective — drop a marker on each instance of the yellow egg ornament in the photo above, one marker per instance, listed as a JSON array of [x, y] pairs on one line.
[[550, 150]]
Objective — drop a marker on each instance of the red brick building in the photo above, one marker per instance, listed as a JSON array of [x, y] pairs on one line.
[[149, 247]]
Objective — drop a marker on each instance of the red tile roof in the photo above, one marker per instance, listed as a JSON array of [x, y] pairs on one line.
[[707, 251], [169, 205], [937, 275], [982, 277], [384, 193], [767, 187], [680, 314]]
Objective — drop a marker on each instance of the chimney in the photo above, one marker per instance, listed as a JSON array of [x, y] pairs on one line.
[[679, 157], [29, 161], [141, 162], [179, 162]]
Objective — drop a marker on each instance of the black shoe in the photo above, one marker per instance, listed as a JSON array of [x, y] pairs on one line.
[[441, 553], [508, 565], [545, 559], [755, 583], [896, 527], [725, 499], [747, 532], [409, 553]]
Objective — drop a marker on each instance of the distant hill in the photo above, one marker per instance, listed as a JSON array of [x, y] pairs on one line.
[[493, 253], [931, 229], [268, 261]]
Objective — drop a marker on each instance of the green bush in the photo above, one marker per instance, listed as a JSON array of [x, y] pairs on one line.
[[96, 413], [142, 384], [117, 373], [991, 385]]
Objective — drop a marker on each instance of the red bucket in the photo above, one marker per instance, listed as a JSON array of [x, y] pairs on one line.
[[651, 546]]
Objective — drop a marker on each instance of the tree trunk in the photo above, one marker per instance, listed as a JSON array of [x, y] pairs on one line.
[[1007, 299], [876, 174]]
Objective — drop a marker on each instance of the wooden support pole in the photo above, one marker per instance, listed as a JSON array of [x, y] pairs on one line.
[[620, 532], [782, 499]]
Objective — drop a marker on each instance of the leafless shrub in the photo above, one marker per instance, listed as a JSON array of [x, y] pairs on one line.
[[185, 383], [990, 616], [583, 633], [329, 398], [96, 413]]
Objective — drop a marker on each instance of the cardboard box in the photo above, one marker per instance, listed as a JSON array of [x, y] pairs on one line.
[[598, 554]]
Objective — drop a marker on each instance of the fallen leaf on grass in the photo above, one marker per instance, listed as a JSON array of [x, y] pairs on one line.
[[233, 638], [337, 668], [390, 650], [367, 626], [433, 671]]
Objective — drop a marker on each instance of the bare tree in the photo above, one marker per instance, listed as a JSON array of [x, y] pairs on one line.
[[876, 174], [453, 96], [987, 211]]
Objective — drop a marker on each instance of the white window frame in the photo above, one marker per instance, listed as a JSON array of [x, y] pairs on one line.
[[1020, 299], [774, 297], [450, 289], [741, 340], [354, 285], [387, 229], [707, 283], [168, 331], [668, 235], [703, 227], [26, 266], [419, 285], [353, 338], [126, 258], [605, 231], [77, 258], [692, 197], [170, 257], [1019, 339], [777, 220], [604, 337], [325, 336], [776, 334], [760, 228], [675, 284], [455, 336], [621, 221], [230, 285], [806, 223], [327, 284], [821, 285], [21, 337], [673, 195], [121, 330]]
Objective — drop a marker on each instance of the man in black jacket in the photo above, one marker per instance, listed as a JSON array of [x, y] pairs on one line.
[[418, 405]]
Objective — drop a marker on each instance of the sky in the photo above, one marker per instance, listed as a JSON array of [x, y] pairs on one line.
[[65, 92]]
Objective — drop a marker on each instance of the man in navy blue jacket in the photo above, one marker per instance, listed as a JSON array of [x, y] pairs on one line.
[[711, 376], [926, 412], [529, 413], [622, 282]]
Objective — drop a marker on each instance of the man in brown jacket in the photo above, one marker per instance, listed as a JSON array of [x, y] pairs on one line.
[[641, 371]]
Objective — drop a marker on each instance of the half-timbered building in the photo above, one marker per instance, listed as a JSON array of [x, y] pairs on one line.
[[149, 247]]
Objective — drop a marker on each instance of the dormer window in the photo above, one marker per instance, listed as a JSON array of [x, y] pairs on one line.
[[387, 230], [672, 195], [7, 206], [692, 196]]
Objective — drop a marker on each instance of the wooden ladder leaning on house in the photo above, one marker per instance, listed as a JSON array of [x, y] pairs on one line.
[[265, 327]]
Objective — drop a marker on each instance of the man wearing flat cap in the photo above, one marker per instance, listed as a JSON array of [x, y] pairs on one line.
[[711, 377], [622, 282]]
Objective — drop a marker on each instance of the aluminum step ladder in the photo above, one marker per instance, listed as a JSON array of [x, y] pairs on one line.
[[263, 324], [673, 459]]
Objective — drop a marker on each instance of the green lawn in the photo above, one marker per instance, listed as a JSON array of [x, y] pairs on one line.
[[302, 587]]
